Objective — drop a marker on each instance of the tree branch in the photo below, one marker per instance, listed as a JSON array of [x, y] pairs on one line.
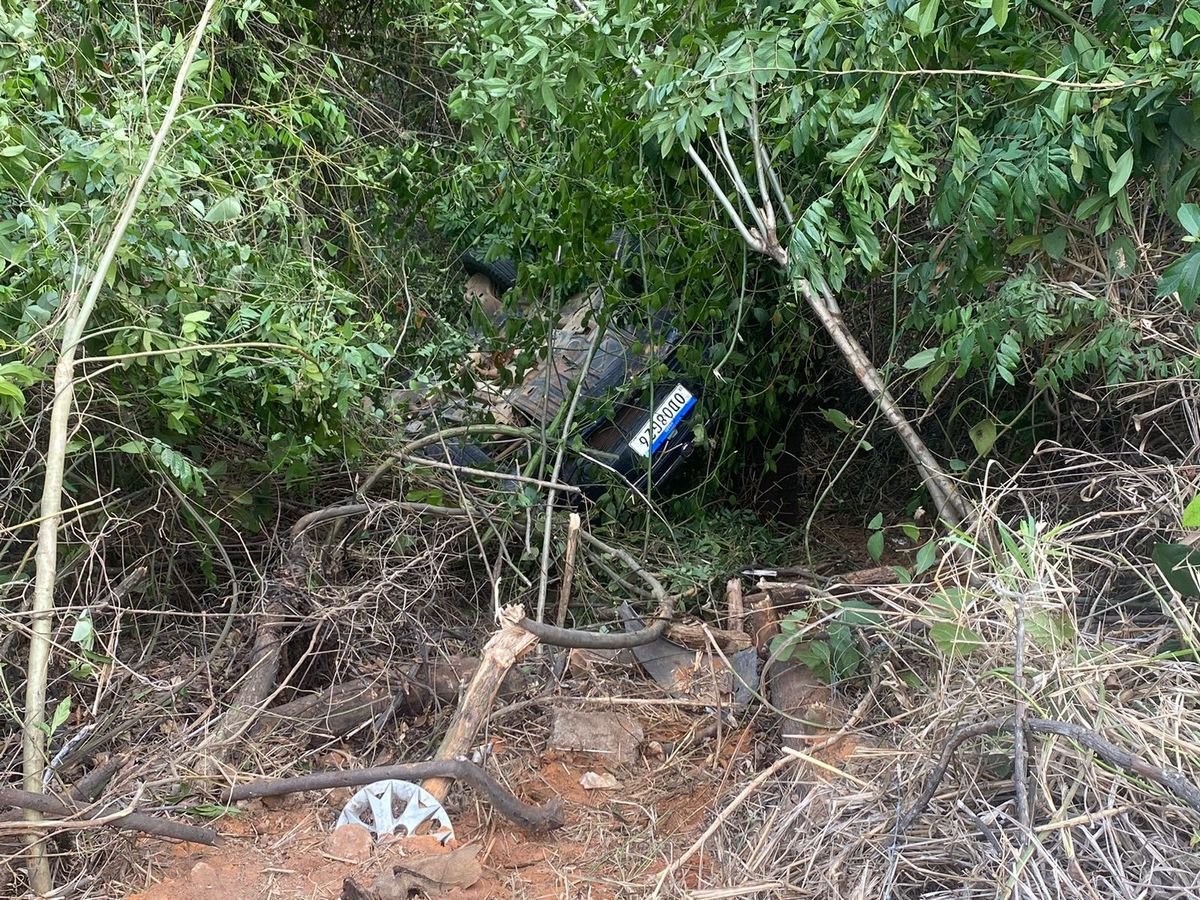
[[46, 557], [1115, 756]]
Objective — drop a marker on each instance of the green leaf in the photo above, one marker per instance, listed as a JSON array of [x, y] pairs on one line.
[[1179, 565], [1120, 173], [954, 639], [61, 713], [947, 603], [926, 557], [380, 351], [1000, 12], [1089, 206], [1189, 218], [549, 99], [861, 614], [82, 631], [875, 546], [783, 647], [927, 14], [853, 150], [931, 379], [223, 210], [1055, 243], [815, 655], [876, 522], [844, 656], [1191, 513], [1050, 629], [1182, 277], [838, 420], [134, 448], [1184, 124], [983, 436], [1122, 256], [922, 359], [15, 396]]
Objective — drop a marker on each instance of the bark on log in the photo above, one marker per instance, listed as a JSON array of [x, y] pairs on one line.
[[341, 708], [736, 605], [760, 612], [803, 703], [695, 637]]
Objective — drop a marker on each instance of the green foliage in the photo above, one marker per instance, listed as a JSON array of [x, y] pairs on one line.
[[62, 712], [1178, 564], [234, 311], [945, 614], [999, 140], [833, 653], [1191, 513], [875, 541]]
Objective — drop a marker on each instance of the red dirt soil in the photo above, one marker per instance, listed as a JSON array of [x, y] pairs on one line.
[[613, 844]]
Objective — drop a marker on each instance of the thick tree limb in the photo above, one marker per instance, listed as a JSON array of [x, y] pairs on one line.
[[941, 486], [133, 821], [500, 653], [532, 818]]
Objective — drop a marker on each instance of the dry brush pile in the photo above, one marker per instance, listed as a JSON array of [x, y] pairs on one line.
[[1063, 640]]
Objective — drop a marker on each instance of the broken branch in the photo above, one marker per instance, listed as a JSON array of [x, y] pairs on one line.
[[532, 818], [133, 821], [500, 653]]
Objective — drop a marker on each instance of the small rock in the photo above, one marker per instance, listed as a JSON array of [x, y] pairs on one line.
[[612, 737], [350, 842], [205, 877], [595, 781]]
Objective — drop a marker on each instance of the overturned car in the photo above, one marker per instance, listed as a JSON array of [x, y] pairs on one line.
[[638, 416]]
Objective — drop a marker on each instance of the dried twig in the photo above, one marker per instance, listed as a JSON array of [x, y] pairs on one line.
[[568, 576], [1020, 711], [730, 808], [489, 473]]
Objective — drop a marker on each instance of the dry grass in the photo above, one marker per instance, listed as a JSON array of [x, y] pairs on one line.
[[1106, 648]]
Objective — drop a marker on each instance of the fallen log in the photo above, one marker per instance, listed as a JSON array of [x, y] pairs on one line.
[[343, 707]]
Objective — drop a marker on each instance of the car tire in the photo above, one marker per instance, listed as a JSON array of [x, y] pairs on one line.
[[501, 272]]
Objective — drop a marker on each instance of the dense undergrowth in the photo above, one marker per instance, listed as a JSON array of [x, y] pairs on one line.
[[1003, 195]]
